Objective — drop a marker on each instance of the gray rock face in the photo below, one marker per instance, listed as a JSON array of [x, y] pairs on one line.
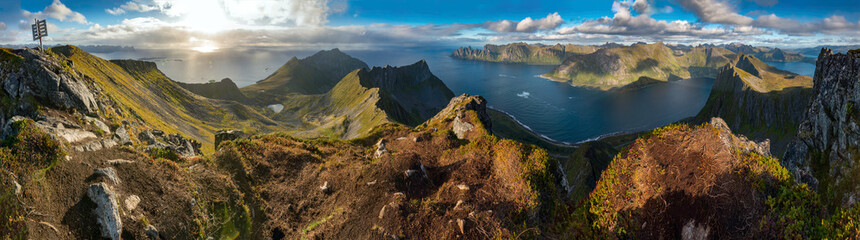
[[173, 142], [750, 109], [109, 173], [456, 112], [122, 137], [227, 135], [461, 127], [48, 81], [828, 138], [107, 212], [418, 93]]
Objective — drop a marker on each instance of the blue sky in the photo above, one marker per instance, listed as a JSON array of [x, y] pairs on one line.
[[214, 24]]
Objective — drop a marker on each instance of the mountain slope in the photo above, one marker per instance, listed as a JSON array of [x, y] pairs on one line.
[[681, 182], [422, 183], [365, 98], [758, 100], [312, 75], [523, 53], [610, 68], [225, 89], [769, 54], [141, 93]]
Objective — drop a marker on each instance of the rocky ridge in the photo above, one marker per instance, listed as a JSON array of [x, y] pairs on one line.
[[758, 101], [825, 152]]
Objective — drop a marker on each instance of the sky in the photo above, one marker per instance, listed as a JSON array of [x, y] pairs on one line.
[[208, 25]]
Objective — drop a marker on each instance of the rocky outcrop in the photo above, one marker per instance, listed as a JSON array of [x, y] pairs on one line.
[[825, 152], [47, 80], [173, 142], [465, 113], [107, 210], [743, 95]]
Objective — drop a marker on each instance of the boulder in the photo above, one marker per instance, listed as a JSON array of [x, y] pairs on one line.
[[109, 173], [131, 202], [122, 137], [99, 124], [380, 148], [457, 110], [147, 137], [107, 211]]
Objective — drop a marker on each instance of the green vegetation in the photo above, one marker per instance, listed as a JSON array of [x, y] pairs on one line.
[[8, 57], [28, 150], [142, 93], [610, 68], [789, 210], [158, 152]]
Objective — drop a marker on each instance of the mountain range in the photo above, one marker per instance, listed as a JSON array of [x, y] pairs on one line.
[[115, 149]]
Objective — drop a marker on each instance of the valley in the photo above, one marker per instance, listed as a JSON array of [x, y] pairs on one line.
[[381, 152]]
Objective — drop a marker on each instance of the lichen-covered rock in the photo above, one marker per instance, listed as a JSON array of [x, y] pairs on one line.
[[107, 212], [49, 81], [825, 152]]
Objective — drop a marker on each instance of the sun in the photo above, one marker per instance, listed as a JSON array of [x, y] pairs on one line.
[[202, 45], [207, 17]]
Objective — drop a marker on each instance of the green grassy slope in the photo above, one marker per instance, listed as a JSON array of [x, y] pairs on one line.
[[316, 74], [365, 99], [140, 92], [225, 89]]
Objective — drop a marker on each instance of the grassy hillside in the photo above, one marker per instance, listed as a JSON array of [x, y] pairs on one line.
[[364, 99], [523, 53], [610, 68], [316, 74], [141, 93], [225, 89]]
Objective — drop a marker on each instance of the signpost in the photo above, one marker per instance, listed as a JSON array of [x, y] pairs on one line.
[[40, 29]]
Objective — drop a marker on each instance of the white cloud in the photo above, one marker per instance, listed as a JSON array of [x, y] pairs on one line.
[[139, 6], [715, 11], [835, 25], [56, 10], [2, 26], [528, 25], [115, 11], [624, 22]]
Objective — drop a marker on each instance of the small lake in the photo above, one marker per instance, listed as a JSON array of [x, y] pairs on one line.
[[555, 110]]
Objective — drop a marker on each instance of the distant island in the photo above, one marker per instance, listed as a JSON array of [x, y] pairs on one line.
[[536, 54], [640, 65]]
